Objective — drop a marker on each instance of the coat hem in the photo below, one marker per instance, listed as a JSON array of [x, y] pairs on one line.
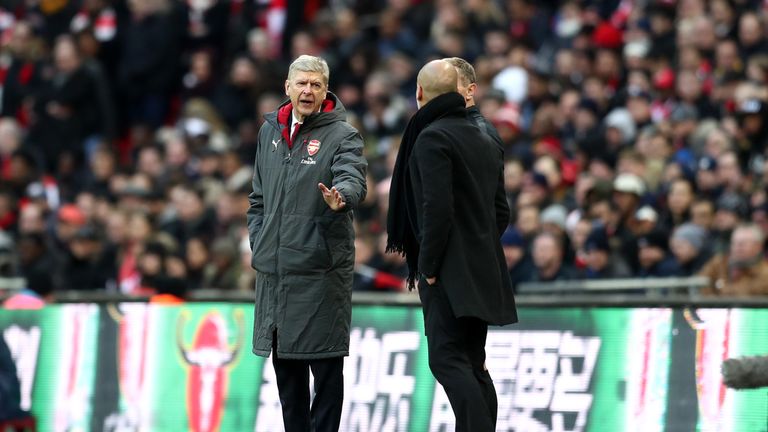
[[301, 356]]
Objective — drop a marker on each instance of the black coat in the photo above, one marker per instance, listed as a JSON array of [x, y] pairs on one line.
[[457, 176]]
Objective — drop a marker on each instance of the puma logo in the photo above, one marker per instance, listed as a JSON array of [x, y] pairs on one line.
[[275, 143]]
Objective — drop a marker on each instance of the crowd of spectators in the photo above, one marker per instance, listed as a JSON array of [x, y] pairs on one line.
[[635, 132]]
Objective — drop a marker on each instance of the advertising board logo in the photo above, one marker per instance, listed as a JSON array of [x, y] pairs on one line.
[[208, 359]]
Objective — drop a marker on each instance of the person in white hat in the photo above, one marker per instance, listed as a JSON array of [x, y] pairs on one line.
[[628, 190]]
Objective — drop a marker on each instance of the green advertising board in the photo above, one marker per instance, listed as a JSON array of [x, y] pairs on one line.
[[134, 366]]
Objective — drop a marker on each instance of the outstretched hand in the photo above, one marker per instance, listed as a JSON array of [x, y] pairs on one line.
[[332, 197]]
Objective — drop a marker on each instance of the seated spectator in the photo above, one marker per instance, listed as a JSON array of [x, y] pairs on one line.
[[689, 248], [86, 266], [528, 222], [601, 264], [225, 266], [548, 259], [730, 211], [646, 218], [37, 293], [654, 257], [518, 262], [578, 236], [703, 213], [743, 271], [377, 270], [628, 192], [679, 201]]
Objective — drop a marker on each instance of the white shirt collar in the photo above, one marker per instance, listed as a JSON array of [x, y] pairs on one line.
[[293, 122]]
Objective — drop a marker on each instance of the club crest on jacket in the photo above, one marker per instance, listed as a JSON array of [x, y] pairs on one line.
[[313, 147]]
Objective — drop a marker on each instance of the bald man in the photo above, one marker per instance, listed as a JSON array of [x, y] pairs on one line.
[[446, 217]]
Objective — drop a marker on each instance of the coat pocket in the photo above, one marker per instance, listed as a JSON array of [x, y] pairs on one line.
[[304, 248], [339, 236]]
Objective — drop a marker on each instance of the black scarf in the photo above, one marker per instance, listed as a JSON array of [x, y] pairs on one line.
[[401, 219]]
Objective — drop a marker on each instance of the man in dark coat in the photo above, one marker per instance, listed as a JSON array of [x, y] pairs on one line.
[[303, 244], [467, 86], [447, 218]]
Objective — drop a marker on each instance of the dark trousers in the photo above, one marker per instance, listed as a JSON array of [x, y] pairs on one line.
[[457, 360], [293, 386]]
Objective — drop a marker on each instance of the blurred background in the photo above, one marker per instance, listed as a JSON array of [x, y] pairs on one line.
[[635, 131], [635, 136]]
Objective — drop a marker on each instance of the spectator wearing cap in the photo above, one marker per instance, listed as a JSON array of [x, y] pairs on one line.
[[518, 261], [684, 119], [730, 210], [600, 262], [548, 252], [707, 181], [536, 191], [620, 129], [690, 248], [751, 117], [628, 190], [647, 218], [69, 219], [553, 219], [743, 271], [86, 266], [654, 257]]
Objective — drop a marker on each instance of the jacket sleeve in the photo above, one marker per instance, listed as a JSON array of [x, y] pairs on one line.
[[502, 207], [255, 214], [431, 155], [349, 169], [710, 270]]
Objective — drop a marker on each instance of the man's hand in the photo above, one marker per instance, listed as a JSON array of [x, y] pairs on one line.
[[332, 197], [431, 280]]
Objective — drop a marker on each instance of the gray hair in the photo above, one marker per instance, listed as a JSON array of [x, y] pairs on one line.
[[757, 233], [308, 63]]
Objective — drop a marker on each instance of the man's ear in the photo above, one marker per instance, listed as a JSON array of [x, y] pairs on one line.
[[287, 83], [419, 93], [471, 90]]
